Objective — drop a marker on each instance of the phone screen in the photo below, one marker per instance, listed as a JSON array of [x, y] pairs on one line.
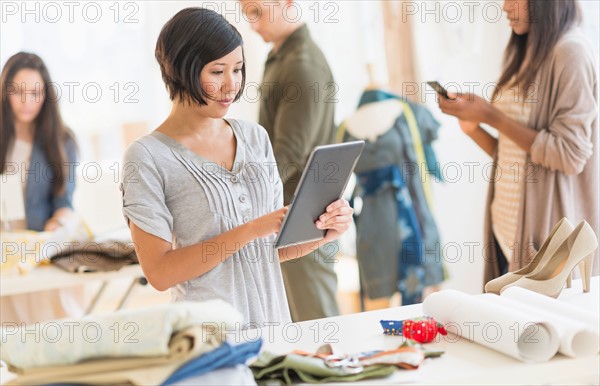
[[439, 89]]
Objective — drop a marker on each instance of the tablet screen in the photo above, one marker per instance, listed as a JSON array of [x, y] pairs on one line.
[[323, 181]]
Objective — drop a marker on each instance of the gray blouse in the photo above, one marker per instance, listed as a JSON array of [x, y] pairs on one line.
[[181, 197]]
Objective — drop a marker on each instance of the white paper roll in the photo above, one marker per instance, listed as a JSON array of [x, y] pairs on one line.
[[578, 329], [515, 333]]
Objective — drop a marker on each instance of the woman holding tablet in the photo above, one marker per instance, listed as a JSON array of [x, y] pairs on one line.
[[201, 193]]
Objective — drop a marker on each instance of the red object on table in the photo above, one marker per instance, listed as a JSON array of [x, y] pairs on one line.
[[422, 330]]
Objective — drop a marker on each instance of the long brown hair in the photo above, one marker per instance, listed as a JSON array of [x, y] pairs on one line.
[[525, 54], [50, 132]]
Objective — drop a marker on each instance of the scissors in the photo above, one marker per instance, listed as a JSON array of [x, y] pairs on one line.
[[350, 364]]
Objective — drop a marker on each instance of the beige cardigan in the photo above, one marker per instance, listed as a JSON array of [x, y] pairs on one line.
[[561, 179]]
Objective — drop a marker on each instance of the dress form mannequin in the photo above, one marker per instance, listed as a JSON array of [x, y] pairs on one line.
[[373, 119], [392, 129]]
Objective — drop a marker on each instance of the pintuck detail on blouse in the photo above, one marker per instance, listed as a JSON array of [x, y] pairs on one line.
[[181, 197]]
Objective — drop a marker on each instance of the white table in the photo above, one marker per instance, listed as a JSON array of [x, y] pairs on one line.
[[48, 277], [463, 363]]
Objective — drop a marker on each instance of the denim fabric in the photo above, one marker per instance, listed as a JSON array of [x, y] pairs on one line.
[[226, 355], [411, 272], [40, 201]]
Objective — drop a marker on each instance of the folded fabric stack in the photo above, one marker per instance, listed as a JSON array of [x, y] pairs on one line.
[[520, 323], [159, 345]]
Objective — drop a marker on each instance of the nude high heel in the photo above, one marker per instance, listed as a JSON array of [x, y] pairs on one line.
[[559, 233], [577, 249], [585, 268]]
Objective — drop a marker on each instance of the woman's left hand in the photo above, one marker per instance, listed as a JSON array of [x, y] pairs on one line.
[[466, 107], [336, 219]]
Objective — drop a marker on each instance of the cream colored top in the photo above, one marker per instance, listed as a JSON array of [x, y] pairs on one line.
[[20, 155], [510, 174]]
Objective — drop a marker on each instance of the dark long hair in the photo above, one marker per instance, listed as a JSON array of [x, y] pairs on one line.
[[525, 54], [50, 132]]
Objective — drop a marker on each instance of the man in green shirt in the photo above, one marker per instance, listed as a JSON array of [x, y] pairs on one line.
[[297, 110]]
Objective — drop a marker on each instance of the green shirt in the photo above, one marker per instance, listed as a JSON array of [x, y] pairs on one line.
[[298, 97]]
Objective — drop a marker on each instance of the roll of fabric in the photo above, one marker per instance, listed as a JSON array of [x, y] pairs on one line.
[[579, 330], [515, 333], [130, 333]]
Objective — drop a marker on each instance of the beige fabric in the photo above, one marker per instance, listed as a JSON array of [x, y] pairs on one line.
[[509, 186], [562, 177], [185, 345], [144, 332]]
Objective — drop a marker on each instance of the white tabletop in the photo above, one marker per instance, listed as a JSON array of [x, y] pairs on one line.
[[464, 362]]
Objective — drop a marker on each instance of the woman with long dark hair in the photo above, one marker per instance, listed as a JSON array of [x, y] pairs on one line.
[[38, 147], [545, 110], [36, 144]]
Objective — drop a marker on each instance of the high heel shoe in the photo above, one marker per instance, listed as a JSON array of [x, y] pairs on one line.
[[577, 249], [559, 233]]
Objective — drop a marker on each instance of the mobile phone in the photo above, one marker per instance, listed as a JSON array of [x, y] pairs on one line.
[[439, 89]]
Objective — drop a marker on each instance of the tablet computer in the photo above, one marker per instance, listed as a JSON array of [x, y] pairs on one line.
[[323, 181]]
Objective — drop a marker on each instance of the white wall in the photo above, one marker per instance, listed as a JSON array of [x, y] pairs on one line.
[[108, 47], [459, 46], [98, 51]]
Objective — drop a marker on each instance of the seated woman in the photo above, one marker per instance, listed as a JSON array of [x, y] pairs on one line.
[[202, 193], [37, 146]]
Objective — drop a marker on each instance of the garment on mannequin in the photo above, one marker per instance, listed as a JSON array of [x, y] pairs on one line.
[[396, 249]]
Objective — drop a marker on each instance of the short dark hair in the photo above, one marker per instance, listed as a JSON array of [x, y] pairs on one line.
[[189, 41]]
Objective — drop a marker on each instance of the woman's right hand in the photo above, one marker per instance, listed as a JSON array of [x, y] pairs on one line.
[[268, 224]]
